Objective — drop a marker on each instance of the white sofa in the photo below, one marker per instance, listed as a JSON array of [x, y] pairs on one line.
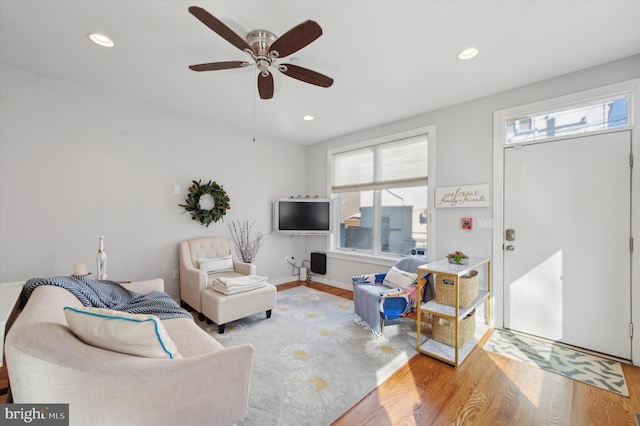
[[47, 363]]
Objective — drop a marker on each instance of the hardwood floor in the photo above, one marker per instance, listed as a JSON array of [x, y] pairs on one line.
[[487, 389], [4, 382]]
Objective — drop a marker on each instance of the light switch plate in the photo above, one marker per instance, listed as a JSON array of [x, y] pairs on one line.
[[484, 223]]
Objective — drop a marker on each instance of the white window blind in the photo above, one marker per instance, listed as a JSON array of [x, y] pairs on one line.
[[401, 163]]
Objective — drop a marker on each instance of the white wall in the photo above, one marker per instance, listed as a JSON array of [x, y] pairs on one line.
[[76, 164], [464, 146]]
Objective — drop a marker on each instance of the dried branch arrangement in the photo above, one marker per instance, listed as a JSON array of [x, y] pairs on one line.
[[247, 244]]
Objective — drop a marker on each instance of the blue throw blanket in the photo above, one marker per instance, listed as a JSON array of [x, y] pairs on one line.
[[111, 295]]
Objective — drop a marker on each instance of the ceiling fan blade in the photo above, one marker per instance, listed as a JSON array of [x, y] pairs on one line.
[[265, 86], [217, 26], [214, 66], [296, 38], [306, 75]]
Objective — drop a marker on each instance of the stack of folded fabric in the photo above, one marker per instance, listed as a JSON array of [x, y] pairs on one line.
[[233, 285]]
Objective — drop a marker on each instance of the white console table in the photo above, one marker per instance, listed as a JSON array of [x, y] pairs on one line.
[[9, 301]]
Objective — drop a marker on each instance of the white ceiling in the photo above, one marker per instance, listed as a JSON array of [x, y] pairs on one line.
[[389, 59]]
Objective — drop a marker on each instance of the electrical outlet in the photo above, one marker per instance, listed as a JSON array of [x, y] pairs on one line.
[[176, 274]]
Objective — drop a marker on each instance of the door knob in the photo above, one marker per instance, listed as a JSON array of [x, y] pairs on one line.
[[510, 248]]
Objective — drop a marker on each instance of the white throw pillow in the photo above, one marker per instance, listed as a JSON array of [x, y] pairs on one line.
[[134, 334], [219, 264], [396, 278]]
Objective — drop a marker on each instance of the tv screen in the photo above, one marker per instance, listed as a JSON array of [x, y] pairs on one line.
[[302, 216]]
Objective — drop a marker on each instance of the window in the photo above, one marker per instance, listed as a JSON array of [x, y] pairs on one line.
[[381, 197], [596, 115]]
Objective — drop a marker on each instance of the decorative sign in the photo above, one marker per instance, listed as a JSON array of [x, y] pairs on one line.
[[463, 196]]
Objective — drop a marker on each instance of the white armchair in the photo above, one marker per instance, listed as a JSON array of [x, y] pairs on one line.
[[196, 280], [193, 280]]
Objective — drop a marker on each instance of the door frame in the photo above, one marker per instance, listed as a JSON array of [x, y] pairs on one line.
[[633, 88]]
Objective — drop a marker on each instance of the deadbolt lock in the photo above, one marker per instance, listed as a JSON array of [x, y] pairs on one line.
[[510, 234]]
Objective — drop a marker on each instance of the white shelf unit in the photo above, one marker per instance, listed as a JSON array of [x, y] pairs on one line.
[[456, 354]]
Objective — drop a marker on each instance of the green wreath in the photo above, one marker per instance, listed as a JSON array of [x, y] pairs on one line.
[[220, 202]]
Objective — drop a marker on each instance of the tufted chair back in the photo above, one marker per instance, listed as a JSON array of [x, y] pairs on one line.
[[209, 248]]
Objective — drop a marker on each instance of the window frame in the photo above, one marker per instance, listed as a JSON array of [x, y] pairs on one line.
[[374, 256], [548, 106]]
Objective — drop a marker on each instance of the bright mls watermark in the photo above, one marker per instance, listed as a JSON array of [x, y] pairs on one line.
[[34, 414]]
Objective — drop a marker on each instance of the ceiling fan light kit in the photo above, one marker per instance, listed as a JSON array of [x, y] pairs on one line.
[[265, 49]]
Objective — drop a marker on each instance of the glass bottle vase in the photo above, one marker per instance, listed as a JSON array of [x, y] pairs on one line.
[[101, 261]]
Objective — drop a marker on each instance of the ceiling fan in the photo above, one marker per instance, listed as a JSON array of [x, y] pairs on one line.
[[265, 49]]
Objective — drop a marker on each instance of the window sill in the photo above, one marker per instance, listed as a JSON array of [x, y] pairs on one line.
[[355, 256]]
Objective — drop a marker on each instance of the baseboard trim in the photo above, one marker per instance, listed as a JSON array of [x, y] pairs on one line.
[[332, 283], [314, 278], [284, 280]]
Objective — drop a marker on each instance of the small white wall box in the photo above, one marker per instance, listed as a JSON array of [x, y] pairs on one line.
[[303, 274]]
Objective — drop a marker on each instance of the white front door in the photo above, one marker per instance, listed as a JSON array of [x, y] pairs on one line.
[[567, 269]]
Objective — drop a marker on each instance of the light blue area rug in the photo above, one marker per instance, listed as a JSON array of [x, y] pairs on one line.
[[560, 359], [311, 362]]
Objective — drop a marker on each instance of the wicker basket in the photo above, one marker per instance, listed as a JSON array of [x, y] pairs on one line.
[[444, 330], [446, 292]]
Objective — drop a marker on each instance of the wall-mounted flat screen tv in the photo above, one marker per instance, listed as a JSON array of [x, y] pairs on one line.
[[302, 216]]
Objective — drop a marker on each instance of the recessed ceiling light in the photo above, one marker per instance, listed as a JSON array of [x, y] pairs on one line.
[[469, 53], [308, 117], [101, 40]]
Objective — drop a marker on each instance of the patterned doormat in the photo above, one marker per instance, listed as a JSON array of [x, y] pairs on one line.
[[603, 373]]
